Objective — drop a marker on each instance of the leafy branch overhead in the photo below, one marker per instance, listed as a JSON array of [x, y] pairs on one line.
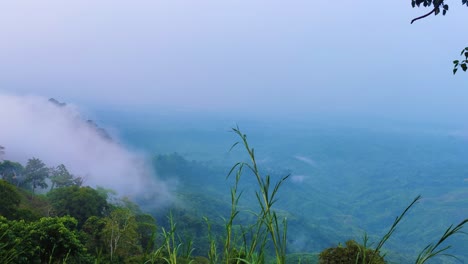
[[436, 6]]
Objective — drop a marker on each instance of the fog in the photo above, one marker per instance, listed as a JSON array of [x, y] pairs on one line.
[[267, 58], [32, 126]]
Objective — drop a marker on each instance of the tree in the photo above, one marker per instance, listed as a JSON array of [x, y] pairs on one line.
[[436, 6], [146, 231], [11, 172], [93, 228], [60, 177], [120, 233], [57, 239], [36, 173], [49, 240], [79, 202]]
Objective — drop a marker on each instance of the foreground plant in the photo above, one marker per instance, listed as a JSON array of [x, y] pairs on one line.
[[362, 254], [268, 228], [433, 250], [352, 253]]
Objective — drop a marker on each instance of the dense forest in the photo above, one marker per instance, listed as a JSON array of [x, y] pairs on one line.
[[49, 215]]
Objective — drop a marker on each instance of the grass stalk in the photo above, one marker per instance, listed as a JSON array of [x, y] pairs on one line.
[[393, 228], [266, 196], [434, 250]]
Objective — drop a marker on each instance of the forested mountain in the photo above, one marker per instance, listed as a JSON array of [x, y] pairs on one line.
[[222, 213]]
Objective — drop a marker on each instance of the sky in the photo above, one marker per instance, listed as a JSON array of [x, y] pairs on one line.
[[277, 58]]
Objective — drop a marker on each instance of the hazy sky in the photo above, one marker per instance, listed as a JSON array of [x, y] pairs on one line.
[[310, 57]]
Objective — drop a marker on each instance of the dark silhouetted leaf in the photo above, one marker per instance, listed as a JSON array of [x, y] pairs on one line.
[[463, 66]]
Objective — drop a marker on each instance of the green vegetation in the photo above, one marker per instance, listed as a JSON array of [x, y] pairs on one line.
[[9, 200], [36, 173], [78, 202], [351, 253], [76, 224]]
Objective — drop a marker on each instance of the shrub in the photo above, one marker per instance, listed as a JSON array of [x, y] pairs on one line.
[[352, 253]]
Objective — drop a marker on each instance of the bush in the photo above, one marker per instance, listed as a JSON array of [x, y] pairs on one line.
[[9, 200], [352, 253]]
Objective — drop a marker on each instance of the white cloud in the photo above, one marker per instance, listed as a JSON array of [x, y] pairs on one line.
[[306, 160], [33, 127]]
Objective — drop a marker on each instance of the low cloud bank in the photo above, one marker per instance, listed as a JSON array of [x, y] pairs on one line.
[[57, 134]]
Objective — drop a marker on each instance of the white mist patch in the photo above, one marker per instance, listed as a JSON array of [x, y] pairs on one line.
[[298, 178], [34, 127], [306, 160]]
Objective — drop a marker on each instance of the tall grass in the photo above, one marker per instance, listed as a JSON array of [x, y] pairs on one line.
[[392, 228], [249, 243], [170, 249], [268, 228], [434, 250], [431, 251]]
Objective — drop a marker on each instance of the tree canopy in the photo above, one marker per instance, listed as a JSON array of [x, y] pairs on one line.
[[79, 202], [36, 173], [60, 177]]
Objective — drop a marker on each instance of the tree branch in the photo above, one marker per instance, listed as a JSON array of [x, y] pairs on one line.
[[428, 14]]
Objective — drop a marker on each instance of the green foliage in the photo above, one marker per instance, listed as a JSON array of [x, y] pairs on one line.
[[120, 233], [146, 229], [78, 202], [49, 240], [267, 227], [92, 231], [9, 200], [302, 258], [57, 239], [60, 177], [351, 253], [36, 173], [392, 228], [33, 208], [10, 241], [433, 250]]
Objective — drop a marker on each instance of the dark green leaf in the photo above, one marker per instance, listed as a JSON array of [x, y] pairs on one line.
[[463, 66], [456, 62], [455, 70]]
